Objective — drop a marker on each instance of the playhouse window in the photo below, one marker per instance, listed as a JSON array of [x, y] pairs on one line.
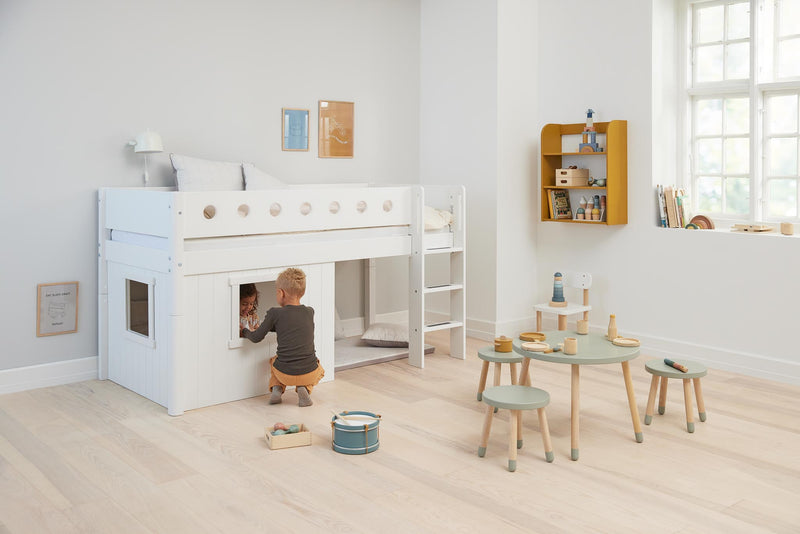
[[266, 300], [138, 299]]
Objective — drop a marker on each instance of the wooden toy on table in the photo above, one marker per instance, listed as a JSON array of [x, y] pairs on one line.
[[558, 300]]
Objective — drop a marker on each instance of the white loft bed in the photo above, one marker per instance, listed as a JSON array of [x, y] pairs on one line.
[[176, 259]]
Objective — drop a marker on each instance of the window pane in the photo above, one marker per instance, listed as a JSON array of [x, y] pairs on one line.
[[138, 307], [737, 156], [708, 117], [782, 156], [737, 61], [709, 63], [710, 22], [781, 114], [709, 156], [737, 115], [789, 17], [737, 196], [739, 21], [782, 195], [788, 54], [709, 194]]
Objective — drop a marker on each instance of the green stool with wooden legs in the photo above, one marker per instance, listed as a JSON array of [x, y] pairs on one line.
[[488, 354], [516, 398], [661, 370]]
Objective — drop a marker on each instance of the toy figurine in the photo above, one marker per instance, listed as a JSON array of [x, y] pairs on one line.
[[580, 214], [589, 143], [558, 300]]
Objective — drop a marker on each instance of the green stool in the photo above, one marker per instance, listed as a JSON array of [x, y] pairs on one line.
[[516, 398], [658, 368], [488, 354]]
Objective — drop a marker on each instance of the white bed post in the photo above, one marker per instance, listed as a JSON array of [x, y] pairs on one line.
[[176, 393], [370, 310], [458, 274], [102, 288], [416, 279]]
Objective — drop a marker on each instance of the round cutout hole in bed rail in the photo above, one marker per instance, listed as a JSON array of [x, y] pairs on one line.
[[209, 212], [305, 208], [275, 209], [334, 207], [361, 206], [387, 205], [243, 210]]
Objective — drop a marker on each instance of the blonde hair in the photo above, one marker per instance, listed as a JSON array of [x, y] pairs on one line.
[[292, 281]]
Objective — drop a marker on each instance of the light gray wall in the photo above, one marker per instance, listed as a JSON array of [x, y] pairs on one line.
[[79, 79]]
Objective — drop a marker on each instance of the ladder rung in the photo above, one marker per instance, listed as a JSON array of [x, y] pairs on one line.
[[446, 250], [444, 325], [443, 287]]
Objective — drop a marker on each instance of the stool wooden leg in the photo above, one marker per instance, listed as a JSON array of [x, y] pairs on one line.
[[698, 393], [497, 367], [487, 427], [482, 381], [525, 376], [662, 396], [637, 426], [651, 400], [519, 429], [575, 411], [512, 440], [538, 321], [514, 377], [562, 322], [687, 399], [545, 430]]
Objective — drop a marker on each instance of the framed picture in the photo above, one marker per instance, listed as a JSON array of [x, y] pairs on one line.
[[295, 129], [335, 129], [56, 308]]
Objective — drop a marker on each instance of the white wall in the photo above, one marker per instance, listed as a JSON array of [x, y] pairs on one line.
[[82, 78], [704, 295]]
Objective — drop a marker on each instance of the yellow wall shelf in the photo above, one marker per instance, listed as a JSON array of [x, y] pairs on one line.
[[616, 166]]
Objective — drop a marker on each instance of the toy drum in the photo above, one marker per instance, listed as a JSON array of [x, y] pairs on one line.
[[502, 344], [357, 433]]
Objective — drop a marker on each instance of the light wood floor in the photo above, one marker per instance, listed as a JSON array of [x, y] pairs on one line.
[[94, 457]]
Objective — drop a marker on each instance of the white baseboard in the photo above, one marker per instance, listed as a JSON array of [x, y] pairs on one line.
[[48, 374]]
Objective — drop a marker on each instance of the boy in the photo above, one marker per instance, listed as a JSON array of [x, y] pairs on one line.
[[296, 363]]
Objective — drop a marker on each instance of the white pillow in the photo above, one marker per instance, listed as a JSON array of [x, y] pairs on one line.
[[437, 219], [255, 178], [386, 335], [195, 174]]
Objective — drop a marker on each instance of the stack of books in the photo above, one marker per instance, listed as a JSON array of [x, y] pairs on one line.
[[673, 204]]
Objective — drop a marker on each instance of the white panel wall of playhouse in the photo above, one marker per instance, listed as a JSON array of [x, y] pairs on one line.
[[216, 365]]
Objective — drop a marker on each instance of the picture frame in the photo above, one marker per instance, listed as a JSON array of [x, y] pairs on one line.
[[56, 308], [294, 125], [335, 129]]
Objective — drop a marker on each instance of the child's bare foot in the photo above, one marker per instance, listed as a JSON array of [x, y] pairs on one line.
[[304, 396], [275, 398]]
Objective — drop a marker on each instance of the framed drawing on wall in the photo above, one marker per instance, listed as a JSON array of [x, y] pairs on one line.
[[295, 129], [335, 129], [56, 308]]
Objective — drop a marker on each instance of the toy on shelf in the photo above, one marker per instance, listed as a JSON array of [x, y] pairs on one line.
[[558, 300], [589, 135]]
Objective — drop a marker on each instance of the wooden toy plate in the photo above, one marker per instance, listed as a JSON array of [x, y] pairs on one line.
[[535, 346], [532, 336], [626, 341]]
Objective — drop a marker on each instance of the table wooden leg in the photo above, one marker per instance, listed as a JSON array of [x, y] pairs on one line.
[[562, 322], [538, 321], [662, 396], [487, 427], [687, 399], [698, 393], [514, 377], [525, 375], [512, 440], [482, 381], [575, 411], [519, 429], [545, 430], [637, 426], [651, 400]]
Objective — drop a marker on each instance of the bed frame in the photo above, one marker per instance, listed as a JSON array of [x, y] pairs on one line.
[[186, 253]]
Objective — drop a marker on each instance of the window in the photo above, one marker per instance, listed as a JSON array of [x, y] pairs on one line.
[[743, 105], [139, 317]]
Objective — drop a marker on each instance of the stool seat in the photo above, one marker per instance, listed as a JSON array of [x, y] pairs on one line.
[[516, 397], [658, 367], [488, 354]]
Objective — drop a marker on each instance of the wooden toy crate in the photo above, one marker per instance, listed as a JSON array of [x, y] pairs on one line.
[[572, 177], [284, 441]]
